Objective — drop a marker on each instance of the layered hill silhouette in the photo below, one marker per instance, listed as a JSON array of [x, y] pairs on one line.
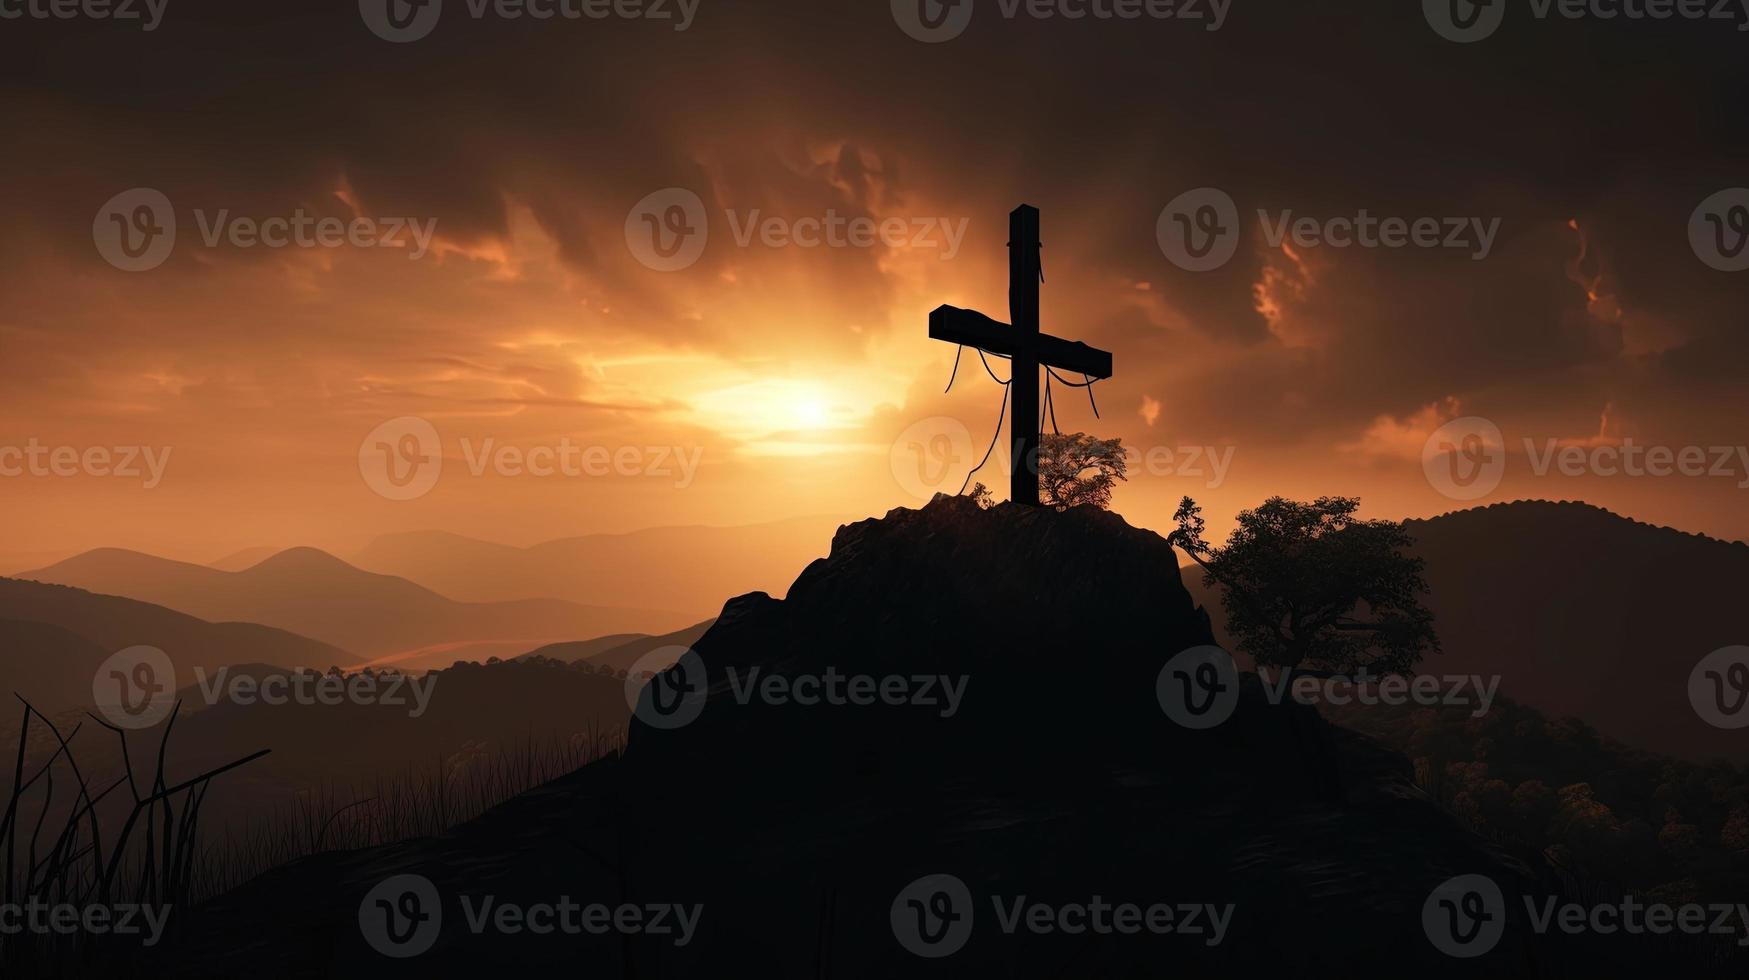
[[313, 593], [433, 726], [798, 827], [692, 568], [47, 665], [1582, 613], [620, 651], [53, 636], [236, 561]]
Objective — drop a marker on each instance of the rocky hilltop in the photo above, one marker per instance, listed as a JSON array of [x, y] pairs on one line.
[[997, 721]]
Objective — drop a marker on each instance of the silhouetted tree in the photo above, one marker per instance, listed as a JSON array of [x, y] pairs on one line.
[[1309, 585], [1076, 469], [981, 495]]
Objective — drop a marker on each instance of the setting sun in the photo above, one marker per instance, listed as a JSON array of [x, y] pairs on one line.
[[772, 407]]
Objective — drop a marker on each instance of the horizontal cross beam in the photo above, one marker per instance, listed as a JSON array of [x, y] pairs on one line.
[[974, 329]]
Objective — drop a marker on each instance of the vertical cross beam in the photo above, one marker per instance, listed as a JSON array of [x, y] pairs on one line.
[[1023, 279]]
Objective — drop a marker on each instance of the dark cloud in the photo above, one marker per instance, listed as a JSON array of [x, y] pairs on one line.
[[794, 109]]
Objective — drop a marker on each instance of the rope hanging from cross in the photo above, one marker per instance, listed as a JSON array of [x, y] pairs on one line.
[[1026, 350]]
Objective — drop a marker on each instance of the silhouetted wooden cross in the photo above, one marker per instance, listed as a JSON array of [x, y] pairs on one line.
[[1023, 343]]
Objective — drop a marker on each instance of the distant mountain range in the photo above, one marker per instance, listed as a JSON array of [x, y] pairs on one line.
[[1579, 611], [313, 593], [1582, 613], [236, 561], [52, 637], [620, 651], [690, 569]]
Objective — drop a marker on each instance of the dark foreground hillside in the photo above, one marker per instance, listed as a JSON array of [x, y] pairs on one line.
[[797, 832]]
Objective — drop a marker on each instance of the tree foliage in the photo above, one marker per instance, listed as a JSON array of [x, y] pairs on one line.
[[1076, 469], [1310, 585], [1663, 828]]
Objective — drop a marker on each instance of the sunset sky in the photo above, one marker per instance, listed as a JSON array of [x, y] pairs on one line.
[[789, 373]]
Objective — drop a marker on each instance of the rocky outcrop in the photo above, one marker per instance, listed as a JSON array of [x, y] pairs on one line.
[[1009, 735]]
